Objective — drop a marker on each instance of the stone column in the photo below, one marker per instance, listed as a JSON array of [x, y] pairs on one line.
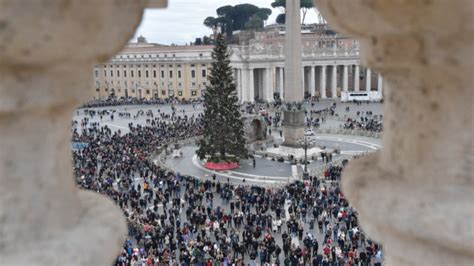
[[379, 83], [334, 82], [234, 77], [293, 118], [261, 85], [345, 81], [356, 78], [269, 84], [282, 75], [312, 81], [415, 195], [251, 88], [239, 82], [293, 60], [322, 82], [303, 80], [368, 79], [242, 83], [245, 85], [48, 49]]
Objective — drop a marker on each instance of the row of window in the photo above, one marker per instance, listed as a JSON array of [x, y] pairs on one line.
[[163, 92], [162, 66], [193, 84], [139, 72], [149, 56]]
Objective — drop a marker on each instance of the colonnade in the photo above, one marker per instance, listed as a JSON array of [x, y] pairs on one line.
[[324, 81]]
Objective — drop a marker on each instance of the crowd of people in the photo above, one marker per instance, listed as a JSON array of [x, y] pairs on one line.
[[175, 219], [366, 123], [113, 101], [364, 120]]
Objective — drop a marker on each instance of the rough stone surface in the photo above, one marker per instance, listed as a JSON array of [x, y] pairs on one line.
[[47, 50], [255, 128], [157, 3], [292, 128], [293, 61], [415, 195]]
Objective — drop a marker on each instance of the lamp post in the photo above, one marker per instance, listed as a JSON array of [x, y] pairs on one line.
[[305, 169], [305, 173]]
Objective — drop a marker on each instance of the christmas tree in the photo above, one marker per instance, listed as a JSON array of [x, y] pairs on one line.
[[223, 139]]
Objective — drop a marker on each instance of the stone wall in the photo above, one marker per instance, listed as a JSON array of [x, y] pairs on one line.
[[415, 196], [47, 49]]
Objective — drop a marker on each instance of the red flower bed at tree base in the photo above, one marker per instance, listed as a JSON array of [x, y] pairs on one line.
[[221, 166]]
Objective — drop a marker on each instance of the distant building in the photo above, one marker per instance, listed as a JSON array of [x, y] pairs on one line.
[[331, 68]]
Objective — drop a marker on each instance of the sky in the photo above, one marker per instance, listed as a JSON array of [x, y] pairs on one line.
[[182, 21]]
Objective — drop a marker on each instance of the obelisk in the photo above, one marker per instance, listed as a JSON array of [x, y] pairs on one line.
[[293, 114]]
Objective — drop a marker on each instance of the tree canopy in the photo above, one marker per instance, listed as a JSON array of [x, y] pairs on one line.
[[254, 23], [306, 5], [281, 18], [239, 17]]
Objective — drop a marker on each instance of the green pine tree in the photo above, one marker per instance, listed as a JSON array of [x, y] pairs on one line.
[[223, 138]]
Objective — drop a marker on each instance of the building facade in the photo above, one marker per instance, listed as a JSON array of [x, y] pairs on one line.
[[331, 68], [154, 71]]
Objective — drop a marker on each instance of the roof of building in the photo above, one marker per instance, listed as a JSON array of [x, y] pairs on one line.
[[150, 48]]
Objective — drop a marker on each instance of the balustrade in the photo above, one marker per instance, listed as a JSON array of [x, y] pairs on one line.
[[415, 194], [47, 51]]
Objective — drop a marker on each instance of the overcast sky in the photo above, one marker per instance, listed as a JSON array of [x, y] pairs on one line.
[[182, 21]]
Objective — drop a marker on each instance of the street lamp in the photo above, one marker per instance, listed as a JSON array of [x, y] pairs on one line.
[[97, 88], [305, 147]]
